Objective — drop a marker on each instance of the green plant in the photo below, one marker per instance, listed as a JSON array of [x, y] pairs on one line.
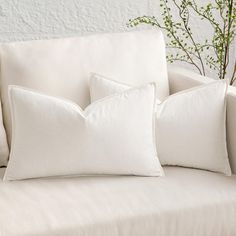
[[213, 53]]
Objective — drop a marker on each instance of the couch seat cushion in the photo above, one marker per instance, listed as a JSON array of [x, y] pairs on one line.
[[185, 202]]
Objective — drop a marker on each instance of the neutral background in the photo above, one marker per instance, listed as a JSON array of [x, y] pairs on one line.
[[37, 19]]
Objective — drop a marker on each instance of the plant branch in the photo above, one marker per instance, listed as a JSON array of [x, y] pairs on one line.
[[185, 20], [226, 54], [233, 78], [212, 53]]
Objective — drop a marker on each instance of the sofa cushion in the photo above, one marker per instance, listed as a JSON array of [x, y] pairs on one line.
[[186, 202], [62, 67], [112, 136]]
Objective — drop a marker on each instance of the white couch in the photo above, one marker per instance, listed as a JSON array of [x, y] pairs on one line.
[[186, 202]]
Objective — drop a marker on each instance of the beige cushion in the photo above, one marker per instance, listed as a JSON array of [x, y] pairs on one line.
[[61, 67]]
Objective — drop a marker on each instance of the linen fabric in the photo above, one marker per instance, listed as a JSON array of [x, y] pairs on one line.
[[53, 137], [62, 67], [190, 125], [185, 202]]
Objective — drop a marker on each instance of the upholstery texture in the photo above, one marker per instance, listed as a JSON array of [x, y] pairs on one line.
[[185, 202]]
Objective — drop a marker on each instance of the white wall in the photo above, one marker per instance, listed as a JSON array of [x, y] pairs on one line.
[[34, 19]]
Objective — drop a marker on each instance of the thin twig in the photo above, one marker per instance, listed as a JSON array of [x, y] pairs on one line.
[[190, 35]]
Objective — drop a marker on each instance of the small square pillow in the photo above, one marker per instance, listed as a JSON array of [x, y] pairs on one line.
[[190, 125], [55, 137]]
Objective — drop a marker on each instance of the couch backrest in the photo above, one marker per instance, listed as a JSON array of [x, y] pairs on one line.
[[62, 67]]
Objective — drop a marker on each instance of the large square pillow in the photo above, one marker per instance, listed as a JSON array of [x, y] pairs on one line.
[[55, 137], [190, 125], [61, 67]]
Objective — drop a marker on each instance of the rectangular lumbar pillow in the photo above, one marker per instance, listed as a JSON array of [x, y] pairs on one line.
[[190, 125], [55, 137]]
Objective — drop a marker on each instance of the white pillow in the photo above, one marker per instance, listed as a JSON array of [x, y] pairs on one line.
[[101, 87], [190, 125], [62, 67], [53, 137]]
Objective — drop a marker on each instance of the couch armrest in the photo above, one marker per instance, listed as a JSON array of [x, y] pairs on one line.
[[181, 79]]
